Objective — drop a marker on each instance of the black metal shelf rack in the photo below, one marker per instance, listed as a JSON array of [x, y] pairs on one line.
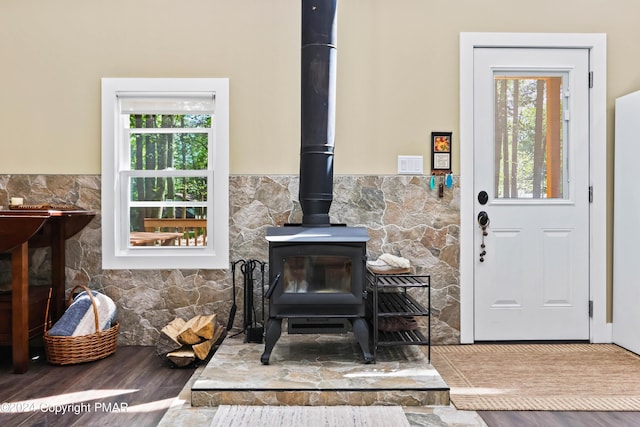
[[388, 297]]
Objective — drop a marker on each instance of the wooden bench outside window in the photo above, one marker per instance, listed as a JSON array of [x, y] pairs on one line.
[[186, 226], [148, 238]]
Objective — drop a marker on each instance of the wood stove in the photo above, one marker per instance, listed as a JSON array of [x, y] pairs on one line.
[[317, 282], [317, 269], [320, 270]]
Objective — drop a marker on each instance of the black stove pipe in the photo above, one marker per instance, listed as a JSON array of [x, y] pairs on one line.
[[318, 93]]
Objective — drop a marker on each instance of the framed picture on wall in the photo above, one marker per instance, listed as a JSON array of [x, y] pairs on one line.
[[441, 151]]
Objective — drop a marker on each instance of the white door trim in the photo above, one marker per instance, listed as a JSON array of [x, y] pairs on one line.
[[600, 330]]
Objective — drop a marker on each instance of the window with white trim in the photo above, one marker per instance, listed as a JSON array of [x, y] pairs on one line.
[[165, 173]]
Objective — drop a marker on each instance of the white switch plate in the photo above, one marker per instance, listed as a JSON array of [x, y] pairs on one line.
[[410, 165]]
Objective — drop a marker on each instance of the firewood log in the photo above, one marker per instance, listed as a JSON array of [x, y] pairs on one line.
[[202, 349], [205, 326], [196, 329], [181, 342], [218, 333], [168, 340], [182, 358]]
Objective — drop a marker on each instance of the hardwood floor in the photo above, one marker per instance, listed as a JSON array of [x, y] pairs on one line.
[[131, 387], [134, 387], [560, 419]]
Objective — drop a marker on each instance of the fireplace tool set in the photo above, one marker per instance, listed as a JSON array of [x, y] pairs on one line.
[[253, 317]]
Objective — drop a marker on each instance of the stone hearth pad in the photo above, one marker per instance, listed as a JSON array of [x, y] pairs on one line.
[[323, 369]]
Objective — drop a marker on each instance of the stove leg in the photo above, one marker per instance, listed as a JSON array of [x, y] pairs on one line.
[[361, 331], [271, 336]]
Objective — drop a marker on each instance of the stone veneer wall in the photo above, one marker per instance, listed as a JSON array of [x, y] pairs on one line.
[[403, 216]]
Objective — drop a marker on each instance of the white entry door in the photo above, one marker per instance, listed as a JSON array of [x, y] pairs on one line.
[[531, 183]]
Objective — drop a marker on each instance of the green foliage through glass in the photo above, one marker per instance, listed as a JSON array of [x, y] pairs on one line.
[[529, 136], [166, 142]]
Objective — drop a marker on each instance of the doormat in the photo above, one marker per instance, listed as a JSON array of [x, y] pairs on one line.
[[309, 416], [540, 377]]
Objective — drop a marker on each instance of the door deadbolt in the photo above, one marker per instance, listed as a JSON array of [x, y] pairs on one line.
[[483, 197]]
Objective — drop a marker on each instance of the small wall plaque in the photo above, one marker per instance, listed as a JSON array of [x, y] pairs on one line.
[[441, 152]]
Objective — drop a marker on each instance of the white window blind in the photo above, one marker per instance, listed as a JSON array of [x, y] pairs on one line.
[[178, 103]]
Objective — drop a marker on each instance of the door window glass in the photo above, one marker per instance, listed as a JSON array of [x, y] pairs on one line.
[[530, 136]]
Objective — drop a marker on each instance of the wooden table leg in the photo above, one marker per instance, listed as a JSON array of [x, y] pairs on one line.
[[57, 269], [20, 307]]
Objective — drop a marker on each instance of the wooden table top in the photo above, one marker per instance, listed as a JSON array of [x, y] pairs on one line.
[[20, 225], [139, 238]]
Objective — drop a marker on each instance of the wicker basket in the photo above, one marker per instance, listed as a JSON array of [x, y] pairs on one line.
[[68, 350]]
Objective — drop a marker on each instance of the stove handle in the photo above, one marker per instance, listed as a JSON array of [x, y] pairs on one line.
[[272, 286]]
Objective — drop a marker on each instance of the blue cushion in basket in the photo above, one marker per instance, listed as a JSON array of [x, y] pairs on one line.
[[79, 320]]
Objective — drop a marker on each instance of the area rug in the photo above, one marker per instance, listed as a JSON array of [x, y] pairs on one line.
[[540, 377], [309, 416]]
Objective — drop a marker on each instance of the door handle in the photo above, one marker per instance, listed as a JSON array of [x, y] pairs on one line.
[[483, 219], [483, 222]]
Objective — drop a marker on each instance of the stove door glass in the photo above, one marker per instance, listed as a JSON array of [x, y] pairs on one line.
[[317, 274]]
